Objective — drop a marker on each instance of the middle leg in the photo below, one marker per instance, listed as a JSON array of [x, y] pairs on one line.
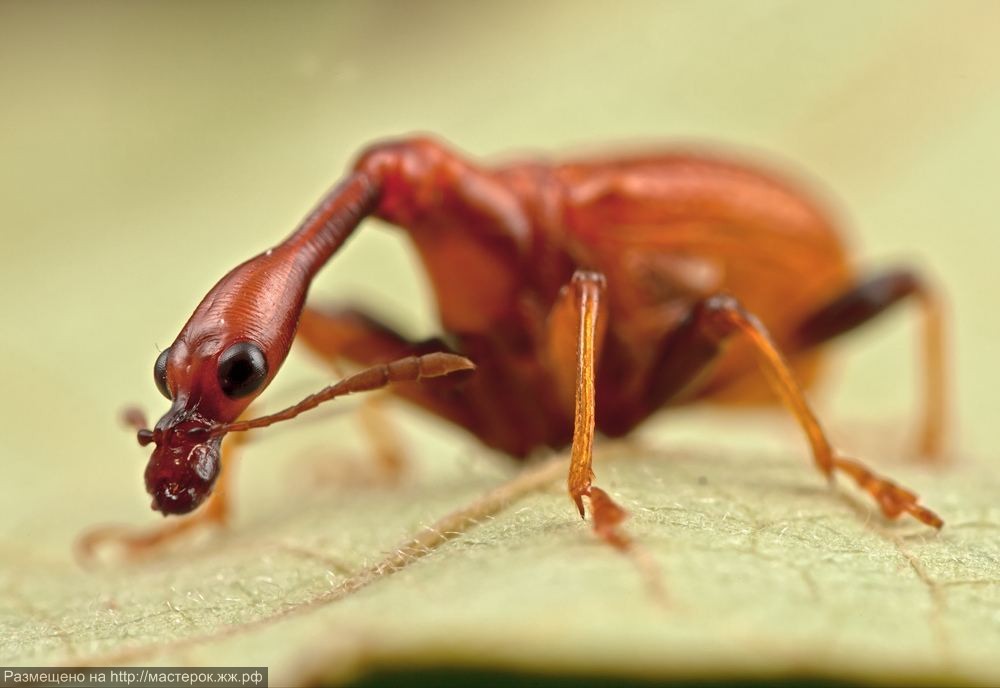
[[700, 340]]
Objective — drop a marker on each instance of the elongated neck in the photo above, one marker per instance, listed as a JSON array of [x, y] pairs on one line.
[[326, 228]]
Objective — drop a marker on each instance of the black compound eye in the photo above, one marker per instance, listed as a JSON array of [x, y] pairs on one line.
[[242, 369], [160, 373]]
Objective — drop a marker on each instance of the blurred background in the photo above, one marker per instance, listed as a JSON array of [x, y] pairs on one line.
[[146, 148]]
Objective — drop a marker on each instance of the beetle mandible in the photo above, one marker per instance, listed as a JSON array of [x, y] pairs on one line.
[[588, 294]]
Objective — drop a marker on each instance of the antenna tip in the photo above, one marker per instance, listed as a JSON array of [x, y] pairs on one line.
[[440, 364]]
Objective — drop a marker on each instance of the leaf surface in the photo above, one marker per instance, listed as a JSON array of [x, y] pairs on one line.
[[765, 570]]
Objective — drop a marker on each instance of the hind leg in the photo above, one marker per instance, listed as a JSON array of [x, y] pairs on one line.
[[871, 298], [700, 339]]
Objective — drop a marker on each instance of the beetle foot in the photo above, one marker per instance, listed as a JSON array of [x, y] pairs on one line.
[[893, 499], [607, 516], [577, 493]]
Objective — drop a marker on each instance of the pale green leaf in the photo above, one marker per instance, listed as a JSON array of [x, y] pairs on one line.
[[147, 148], [765, 569]]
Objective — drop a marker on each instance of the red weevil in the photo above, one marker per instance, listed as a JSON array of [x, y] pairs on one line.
[[588, 294]]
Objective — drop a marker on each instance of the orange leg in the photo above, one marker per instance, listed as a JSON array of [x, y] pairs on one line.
[[378, 429], [873, 297], [136, 543], [380, 434], [699, 340], [576, 328], [390, 457]]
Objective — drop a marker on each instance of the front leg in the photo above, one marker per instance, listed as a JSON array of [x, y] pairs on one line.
[[576, 329]]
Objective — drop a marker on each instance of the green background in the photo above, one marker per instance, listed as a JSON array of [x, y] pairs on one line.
[[147, 148]]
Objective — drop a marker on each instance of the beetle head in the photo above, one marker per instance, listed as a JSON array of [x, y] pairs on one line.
[[224, 357]]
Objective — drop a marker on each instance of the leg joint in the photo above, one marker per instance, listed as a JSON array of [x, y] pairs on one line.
[[718, 315], [582, 278]]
